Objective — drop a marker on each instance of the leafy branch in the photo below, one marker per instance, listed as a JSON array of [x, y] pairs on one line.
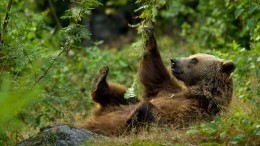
[[65, 48], [75, 32], [149, 13], [30, 61], [6, 20]]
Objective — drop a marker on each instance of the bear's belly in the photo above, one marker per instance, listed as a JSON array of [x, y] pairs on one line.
[[178, 112]]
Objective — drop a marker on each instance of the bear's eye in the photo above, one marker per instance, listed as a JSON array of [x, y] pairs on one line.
[[194, 60]]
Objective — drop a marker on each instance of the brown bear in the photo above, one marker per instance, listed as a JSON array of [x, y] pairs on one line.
[[206, 91]]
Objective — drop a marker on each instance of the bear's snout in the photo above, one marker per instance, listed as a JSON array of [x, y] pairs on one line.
[[175, 67]]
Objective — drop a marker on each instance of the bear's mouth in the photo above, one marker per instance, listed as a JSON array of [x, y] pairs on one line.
[[176, 71]]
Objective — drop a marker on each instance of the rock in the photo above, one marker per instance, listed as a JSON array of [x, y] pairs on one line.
[[58, 135]]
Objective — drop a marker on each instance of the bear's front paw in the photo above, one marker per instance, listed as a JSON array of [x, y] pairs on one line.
[[150, 43], [149, 31]]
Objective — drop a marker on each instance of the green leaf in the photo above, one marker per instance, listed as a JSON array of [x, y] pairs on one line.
[[250, 23], [253, 8], [192, 131], [237, 139], [238, 12], [217, 120], [257, 130]]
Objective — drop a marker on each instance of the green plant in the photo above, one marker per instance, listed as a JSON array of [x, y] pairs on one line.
[[215, 24], [32, 52]]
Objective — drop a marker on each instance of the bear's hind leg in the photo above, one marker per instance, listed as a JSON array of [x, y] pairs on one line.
[[141, 115], [105, 93]]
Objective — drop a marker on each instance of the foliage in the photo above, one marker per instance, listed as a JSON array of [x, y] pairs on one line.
[[75, 31], [215, 24], [14, 96], [228, 130], [149, 12], [46, 71], [29, 51]]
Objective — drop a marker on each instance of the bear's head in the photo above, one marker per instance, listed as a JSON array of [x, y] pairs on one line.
[[200, 67]]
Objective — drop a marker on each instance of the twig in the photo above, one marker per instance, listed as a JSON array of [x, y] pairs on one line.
[[54, 14], [30, 61], [6, 20], [53, 61]]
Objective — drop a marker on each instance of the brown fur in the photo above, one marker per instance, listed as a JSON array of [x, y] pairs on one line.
[[208, 89]]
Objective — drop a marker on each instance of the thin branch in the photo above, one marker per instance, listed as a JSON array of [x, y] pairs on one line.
[[53, 61], [6, 20], [30, 61], [59, 25]]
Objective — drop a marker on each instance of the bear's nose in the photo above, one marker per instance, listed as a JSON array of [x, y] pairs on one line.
[[173, 60]]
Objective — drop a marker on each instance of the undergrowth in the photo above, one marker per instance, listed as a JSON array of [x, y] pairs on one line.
[[46, 71]]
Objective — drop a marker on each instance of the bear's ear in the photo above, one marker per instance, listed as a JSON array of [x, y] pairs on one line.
[[228, 67]]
